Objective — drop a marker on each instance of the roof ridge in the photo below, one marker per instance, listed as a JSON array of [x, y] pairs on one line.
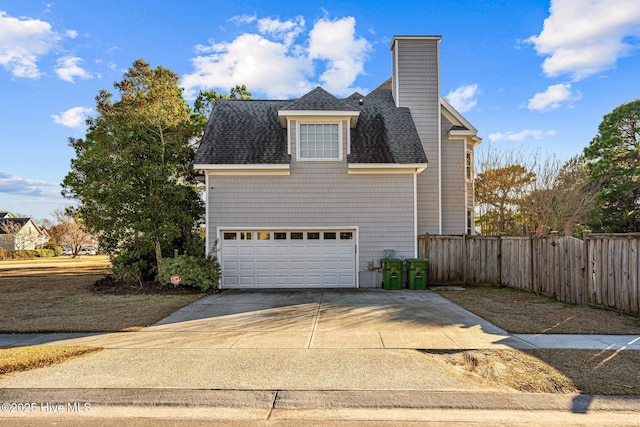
[[320, 99]]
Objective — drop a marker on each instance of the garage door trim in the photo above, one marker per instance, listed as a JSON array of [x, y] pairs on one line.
[[275, 229]]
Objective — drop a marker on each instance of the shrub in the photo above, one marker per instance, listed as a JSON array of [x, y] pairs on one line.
[[44, 253], [199, 272], [25, 254], [134, 264], [57, 249]]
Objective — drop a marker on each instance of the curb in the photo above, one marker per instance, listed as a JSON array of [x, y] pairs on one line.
[[322, 399]]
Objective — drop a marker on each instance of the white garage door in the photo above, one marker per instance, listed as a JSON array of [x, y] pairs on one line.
[[288, 259]]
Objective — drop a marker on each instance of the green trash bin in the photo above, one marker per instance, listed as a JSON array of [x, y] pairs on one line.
[[417, 273], [392, 273]]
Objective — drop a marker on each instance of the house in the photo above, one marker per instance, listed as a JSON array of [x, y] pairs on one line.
[[312, 192], [20, 233]]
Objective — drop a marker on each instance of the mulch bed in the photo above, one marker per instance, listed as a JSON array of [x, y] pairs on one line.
[[110, 286]]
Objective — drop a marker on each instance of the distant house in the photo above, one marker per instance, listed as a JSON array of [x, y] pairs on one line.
[[312, 192], [20, 233]]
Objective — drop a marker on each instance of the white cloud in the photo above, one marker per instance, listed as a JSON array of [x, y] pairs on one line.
[[264, 66], [67, 69], [22, 42], [335, 42], [273, 62], [584, 37], [287, 31], [463, 98], [522, 135], [73, 117], [243, 19], [552, 98], [15, 185]]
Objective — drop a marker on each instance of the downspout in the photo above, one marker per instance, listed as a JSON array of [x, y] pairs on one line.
[[415, 215], [439, 147], [206, 213]]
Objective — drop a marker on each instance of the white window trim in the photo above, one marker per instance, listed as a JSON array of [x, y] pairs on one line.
[[320, 122], [468, 153]]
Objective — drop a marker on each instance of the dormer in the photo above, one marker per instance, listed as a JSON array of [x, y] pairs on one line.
[[319, 124]]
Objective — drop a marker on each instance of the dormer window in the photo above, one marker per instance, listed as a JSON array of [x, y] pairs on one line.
[[319, 141]]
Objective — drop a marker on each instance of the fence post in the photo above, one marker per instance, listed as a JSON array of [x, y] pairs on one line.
[[500, 259], [426, 245], [426, 256], [531, 264], [465, 259], [554, 270], [587, 269]]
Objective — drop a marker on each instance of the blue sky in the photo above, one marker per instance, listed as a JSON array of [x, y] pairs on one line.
[[532, 74]]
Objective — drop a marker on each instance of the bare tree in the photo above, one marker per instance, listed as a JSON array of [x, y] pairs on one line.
[[69, 233], [519, 192], [561, 200]]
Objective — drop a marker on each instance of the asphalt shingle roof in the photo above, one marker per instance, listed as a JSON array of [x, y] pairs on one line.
[[319, 99], [249, 131], [7, 225], [244, 132]]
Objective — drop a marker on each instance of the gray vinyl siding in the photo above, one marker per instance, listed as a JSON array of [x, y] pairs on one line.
[[454, 211], [321, 194], [417, 84]]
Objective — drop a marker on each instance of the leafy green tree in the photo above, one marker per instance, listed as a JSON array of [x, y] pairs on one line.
[[203, 103], [613, 162], [132, 174]]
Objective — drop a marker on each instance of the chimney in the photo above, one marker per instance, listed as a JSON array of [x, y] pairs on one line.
[[415, 71]]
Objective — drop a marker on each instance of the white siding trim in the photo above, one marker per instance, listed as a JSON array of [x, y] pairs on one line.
[[288, 137], [254, 169], [396, 78], [386, 168], [351, 116], [348, 142]]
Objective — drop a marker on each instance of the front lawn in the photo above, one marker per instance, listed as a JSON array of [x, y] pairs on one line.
[[58, 300]]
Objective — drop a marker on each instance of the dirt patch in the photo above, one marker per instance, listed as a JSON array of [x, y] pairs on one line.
[[520, 312], [38, 356], [513, 369], [606, 372]]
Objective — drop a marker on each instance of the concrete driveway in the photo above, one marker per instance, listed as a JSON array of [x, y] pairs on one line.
[[309, 319], [301, 339], [270, 356], [332, 319]]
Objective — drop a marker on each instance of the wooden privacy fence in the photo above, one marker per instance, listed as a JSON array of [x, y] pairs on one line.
[[602, 269]]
